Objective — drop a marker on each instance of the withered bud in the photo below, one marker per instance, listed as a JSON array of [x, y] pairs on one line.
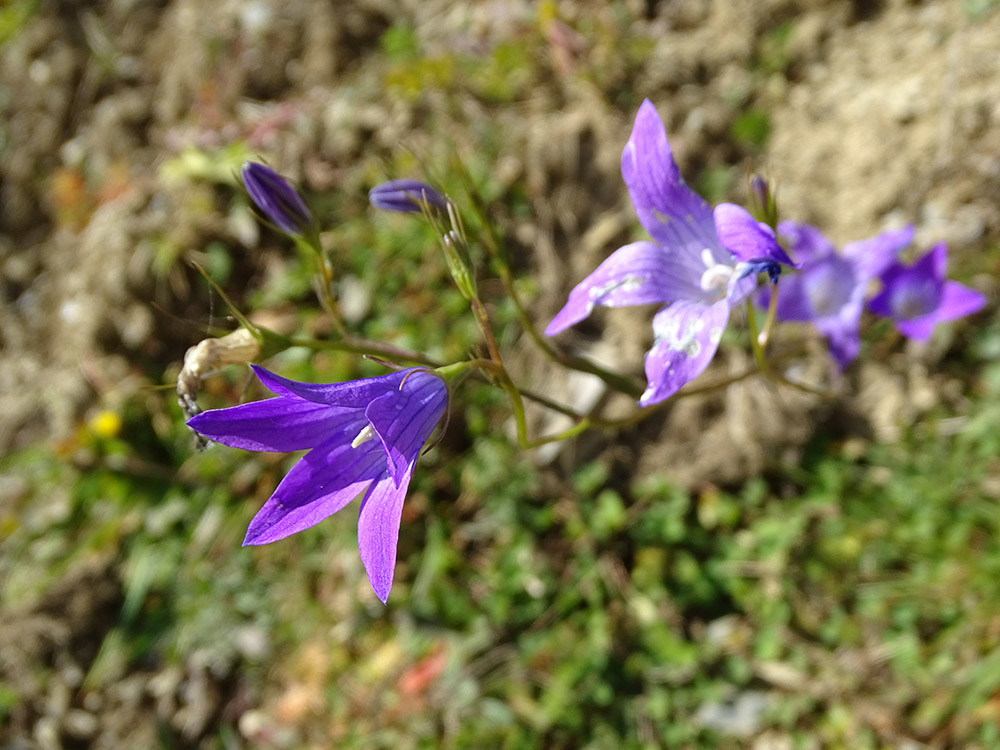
[[201, 360]]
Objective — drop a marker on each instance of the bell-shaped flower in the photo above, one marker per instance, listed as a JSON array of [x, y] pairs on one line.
[[363, 436], [829, 290], [918, 297], [701, 261]]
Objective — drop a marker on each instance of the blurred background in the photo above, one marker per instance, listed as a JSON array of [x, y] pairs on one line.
[[749, 569]]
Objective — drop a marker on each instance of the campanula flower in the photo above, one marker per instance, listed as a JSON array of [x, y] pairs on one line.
[[918, 297], [829, 290], [406, 196], [276, 198], [363, 436], [700, 261]]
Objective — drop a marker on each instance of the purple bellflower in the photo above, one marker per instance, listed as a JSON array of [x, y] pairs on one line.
[[406, 196], [363, 436], [918, 297], [276, 198], [700, 261], [829, 291]]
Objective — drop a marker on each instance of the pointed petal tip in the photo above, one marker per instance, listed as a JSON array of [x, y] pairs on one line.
[[649, 397], [259, 534], [687, 337], [267, 378], [959, 300], [647, 108], [378, 534], [577, 309], [557, 325], [382, 593], [381, 582]]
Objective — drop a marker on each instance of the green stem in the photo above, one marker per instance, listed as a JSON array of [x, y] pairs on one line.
[[620, 383], [483, 320], [764, 366], [772, 313], [550, 404], [375, 349], [324, 280], [495, 246], [755, 344]]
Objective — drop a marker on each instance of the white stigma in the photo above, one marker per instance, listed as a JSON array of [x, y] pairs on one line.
[[716, 275], [366, 434]]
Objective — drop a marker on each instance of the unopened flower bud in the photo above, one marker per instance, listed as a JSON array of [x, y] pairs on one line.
[[762, 204], [456, 255], [276, 198], [759, 189], [406, 196]]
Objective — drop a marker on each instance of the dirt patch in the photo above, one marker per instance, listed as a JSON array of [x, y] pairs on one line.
[[891, 121]]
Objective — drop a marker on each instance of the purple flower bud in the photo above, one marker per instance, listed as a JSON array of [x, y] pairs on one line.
[[759, 189], [762, 203], [276, 198], [406, 196]]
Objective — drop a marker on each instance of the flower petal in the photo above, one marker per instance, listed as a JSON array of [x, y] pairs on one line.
[[806, 243], [842, 333], [687, 336], [276, 424], [793, 300], [406, 416], [378, 530], [323, 481], [920, 328], [871, 257], [745, 237], [636, 274], [912, 292], [929, 268], [830, 285], [670, 211], [825, 284], [958, 300], [881, 303], [354, 394]]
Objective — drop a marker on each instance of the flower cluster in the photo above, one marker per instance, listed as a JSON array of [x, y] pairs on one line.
[[831, 289], [699, 264], [702, 263]]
